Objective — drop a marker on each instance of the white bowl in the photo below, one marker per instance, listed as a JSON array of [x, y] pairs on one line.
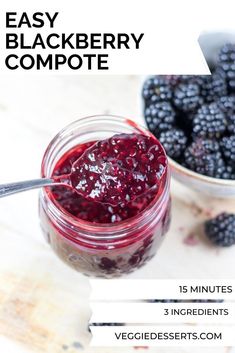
[[210, 44], [210, 186]]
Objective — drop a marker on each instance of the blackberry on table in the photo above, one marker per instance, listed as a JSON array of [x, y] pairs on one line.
[[174, 141], [221, 229], [227, 145], [209, 121], [187, 97], [156, 89], [227, 64], [204, 157], [159, 117]]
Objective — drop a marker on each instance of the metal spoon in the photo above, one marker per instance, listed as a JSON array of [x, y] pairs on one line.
[[13, 188]]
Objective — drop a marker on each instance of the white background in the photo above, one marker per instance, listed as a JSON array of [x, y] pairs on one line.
[[171, 31]]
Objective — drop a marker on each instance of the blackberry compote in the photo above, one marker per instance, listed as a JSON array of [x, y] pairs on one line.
[[118, 221], [118, 170]]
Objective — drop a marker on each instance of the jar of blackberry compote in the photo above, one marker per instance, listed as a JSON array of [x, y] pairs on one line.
[[99, 239]]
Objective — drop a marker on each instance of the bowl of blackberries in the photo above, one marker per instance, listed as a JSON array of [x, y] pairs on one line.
[[194, 119]]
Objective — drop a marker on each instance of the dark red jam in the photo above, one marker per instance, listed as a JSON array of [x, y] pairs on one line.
[[119, 169], [125, 202], [117, 178]]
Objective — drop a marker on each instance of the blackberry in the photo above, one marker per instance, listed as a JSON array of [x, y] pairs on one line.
[[227, 64], [187, 97], [204, 157], [225, 172], [156, 89], [227, 145], [209, 121], [175, 80], [212, 87], [174, 141], [159, 117], [221, 229], [227, 105], [231, 124]]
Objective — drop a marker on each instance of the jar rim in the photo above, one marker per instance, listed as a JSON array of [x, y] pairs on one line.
[[56, 210]]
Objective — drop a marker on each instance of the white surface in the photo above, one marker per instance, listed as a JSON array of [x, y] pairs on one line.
[[43, 303]]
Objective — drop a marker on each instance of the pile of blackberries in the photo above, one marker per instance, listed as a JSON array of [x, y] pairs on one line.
[[194, 116]]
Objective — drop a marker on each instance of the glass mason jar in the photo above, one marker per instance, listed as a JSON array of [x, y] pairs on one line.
[[100, 249]]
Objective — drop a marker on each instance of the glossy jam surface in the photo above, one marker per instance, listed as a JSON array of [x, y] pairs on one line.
[[117, 177], [119, 169]]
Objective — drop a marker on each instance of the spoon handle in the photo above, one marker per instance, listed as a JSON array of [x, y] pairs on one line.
[[12, 188]]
